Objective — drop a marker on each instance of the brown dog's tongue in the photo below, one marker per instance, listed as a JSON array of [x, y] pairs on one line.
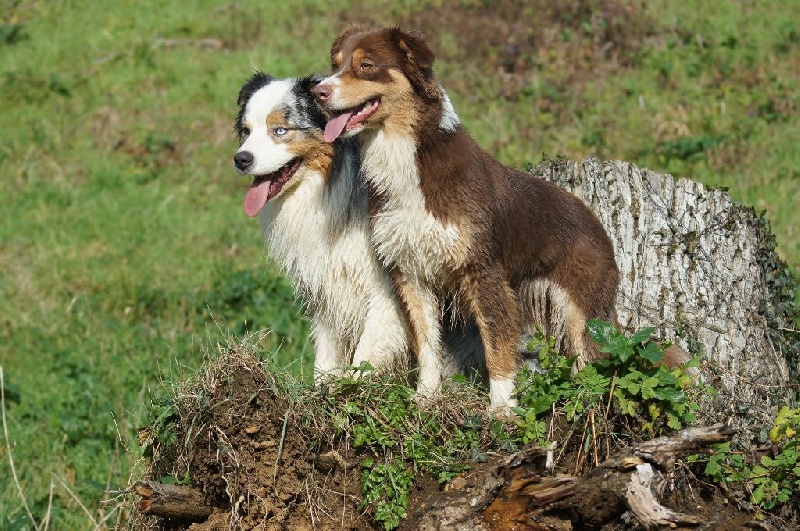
[[335, 126], [256, 197]]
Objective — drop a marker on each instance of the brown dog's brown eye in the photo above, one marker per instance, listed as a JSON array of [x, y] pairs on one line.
[[366, 67]]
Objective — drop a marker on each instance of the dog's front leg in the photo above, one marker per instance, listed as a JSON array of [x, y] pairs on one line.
[[494, 306], [384, 340], [421, 307], [328, 350]]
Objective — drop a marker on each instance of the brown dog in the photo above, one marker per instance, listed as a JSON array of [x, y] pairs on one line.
[[455, 226]]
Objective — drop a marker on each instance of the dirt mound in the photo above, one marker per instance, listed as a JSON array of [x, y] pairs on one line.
[[246, 441], [263, 451], [235, 437]]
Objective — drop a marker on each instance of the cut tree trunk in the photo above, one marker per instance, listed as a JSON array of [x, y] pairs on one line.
[[697, 266]]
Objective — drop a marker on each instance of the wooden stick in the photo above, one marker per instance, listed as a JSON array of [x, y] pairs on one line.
[[179, 502]]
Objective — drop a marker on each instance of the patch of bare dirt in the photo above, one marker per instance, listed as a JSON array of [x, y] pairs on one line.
[[240, 443]]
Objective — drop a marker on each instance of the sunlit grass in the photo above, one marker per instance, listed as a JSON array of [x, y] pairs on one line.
[[122, 242]]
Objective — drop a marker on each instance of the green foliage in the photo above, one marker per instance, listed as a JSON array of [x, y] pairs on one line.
[[385, 489], [689, 148], [772, 479], [647, 395], [249, 300], [780, 308], [402, 439], [644, 387], [12, 33], [161, 424]]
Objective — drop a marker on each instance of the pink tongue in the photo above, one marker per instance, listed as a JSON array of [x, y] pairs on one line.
[[256, 198], [335, 126]]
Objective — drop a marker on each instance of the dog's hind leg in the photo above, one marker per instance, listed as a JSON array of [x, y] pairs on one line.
[[494, 306]]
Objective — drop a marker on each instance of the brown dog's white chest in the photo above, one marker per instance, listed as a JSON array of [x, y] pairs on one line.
[[405, 233]]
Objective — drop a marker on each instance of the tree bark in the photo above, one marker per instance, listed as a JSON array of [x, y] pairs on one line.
[[692, 265]]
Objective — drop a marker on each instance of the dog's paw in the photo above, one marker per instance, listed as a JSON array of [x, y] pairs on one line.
[[503, 411]]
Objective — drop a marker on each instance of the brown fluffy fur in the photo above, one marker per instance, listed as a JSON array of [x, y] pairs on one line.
[[528, 253]]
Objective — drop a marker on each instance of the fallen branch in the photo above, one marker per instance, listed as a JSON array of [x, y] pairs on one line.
[[178, 502], [520, 491], [644, 505]]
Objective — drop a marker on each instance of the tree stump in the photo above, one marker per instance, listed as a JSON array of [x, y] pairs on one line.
[[702, 270]]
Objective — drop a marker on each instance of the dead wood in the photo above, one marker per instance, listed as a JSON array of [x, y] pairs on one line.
[[519, 494], [178, 502]]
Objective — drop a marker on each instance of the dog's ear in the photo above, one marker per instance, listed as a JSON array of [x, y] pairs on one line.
[[347, 32], [310, 81], [419, 60], [257, 80], [306, 100]]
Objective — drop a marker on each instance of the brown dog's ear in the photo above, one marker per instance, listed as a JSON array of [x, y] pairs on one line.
[[347, 32], [418, 67]]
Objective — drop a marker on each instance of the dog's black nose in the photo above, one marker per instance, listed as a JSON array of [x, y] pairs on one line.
[[243, 160]]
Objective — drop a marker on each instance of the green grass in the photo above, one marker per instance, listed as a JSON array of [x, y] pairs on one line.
[[122, 242]]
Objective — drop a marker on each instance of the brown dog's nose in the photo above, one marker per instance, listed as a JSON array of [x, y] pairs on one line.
[[322, 93]]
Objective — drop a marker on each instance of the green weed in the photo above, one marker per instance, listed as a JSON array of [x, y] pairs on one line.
[[772, 479], [630, 386], [385, 489], [400, 438]]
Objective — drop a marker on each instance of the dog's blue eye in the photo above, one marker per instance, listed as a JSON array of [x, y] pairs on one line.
[[280, 131]]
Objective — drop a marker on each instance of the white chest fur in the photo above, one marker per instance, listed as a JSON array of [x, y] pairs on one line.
[[322, 247], [405, 233]]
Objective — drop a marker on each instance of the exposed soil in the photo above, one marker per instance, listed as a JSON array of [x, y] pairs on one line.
[[248, 451]]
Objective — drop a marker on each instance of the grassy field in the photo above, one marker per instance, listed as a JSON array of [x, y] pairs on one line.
[[123, 247]]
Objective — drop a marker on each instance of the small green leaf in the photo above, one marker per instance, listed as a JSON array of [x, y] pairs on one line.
[[648, 387], [651, 352], [692, 363], [642, 335], [713, 468], [758, 495], [600, 331], [666, 378], [669, 394], [673, 422]]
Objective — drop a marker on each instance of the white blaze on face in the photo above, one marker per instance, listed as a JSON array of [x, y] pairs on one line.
[[338, 123], [332, 80], [268, 155]]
